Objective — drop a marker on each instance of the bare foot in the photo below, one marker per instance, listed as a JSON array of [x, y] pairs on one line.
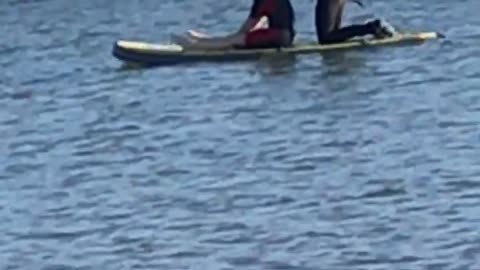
[[196, 34]]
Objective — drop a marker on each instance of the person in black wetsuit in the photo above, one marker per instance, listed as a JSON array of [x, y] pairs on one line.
[[328, 20]]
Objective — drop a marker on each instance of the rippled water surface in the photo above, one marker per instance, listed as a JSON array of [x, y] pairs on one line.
[[364, 159]]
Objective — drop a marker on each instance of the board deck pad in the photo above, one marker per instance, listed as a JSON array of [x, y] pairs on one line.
[[166, 54]]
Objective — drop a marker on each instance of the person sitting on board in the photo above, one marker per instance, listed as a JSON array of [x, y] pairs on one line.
[[328, 19], [270, 24]]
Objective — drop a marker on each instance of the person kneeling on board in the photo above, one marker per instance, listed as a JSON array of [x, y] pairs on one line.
[[328, 20], [269, 25]]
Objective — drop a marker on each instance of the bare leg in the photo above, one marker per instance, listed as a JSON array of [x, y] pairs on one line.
[[263, 23], [212, 43], [346, 33]]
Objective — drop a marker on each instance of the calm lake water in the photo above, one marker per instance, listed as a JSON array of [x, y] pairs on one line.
[[351, 160]]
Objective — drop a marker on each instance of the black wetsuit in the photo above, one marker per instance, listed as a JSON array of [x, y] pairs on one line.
[[328, 20]]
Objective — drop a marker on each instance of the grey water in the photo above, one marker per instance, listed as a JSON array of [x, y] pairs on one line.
[[362, 159]]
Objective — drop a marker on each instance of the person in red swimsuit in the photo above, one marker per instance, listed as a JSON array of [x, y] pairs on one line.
[[279, 32]]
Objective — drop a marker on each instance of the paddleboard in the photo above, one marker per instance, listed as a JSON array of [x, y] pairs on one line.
[[152, 54]]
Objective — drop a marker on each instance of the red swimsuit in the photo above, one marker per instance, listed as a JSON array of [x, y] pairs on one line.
[[280, 16]]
